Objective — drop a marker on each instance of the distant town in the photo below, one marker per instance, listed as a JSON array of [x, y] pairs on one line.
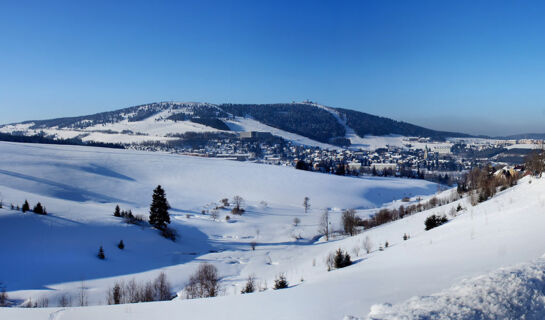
[[422, 158]]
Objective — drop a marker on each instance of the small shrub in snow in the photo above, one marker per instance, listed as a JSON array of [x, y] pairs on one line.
[[38, 209], [101, 254], [386, 245], [296, 221], [342, 259], [452, 212], [435, 221], [225, 202], [306, 204], [405, 237], [4, 302], [227, 218], [330, 261], [204, 283], [250, 285], [280, 282], [367, 244], [121, 245], [25, 207]]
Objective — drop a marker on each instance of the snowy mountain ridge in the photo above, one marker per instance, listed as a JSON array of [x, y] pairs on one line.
[[304, 123]]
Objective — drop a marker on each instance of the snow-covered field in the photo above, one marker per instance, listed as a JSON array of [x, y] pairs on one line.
[[54, 255]]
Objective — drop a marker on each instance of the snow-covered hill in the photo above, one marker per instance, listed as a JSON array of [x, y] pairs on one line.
[[54, 255], [302, 123]]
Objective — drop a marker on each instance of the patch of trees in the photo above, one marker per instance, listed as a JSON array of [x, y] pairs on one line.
[[133, 292], [281, 282], [128, 216], [535, 163], [212, 122], [338, 260], [434, 221], [38, 208], [204, 283], [303, 119], [386, 215], [40, 138], [483, 183]]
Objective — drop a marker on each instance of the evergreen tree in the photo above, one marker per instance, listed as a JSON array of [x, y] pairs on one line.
[[121, 245], [158, 212], [26, 207], [38, 209], [101, 255], [117, 211]]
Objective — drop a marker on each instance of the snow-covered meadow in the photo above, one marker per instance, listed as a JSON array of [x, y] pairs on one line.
[[54, 255]]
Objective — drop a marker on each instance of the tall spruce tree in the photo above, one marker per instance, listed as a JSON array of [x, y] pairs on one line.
[[117, 211], [158, 211]]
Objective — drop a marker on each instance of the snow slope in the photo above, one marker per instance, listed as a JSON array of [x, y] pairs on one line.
[[503, 231], [80, 186], [508, 293]]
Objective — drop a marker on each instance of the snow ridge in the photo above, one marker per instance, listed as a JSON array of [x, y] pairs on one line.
[[508, 293]]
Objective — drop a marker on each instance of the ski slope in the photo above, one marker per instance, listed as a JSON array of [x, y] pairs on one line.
[[81, 185]]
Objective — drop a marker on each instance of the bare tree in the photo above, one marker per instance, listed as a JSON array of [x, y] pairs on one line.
[[65, 301], [349, 221], [162, 287], [238, 202], [82, 297], [367, 244], [535, 163], [214, 214], [204, 283], [115, 294], [306, 204], [324, 224]]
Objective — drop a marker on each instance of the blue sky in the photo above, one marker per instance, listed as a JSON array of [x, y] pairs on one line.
[[472, 66]]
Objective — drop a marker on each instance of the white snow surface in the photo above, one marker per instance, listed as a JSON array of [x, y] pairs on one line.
[[240, 124], [46, 256], [508, 293]]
